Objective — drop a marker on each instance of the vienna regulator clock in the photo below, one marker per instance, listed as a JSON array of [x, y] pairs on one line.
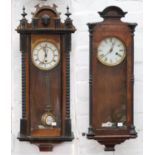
[[111, 79], [45, 45]]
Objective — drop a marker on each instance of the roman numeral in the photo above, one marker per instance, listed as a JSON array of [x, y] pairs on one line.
[[105, 59], [55, 55], [106, 41], [102, 55], [41, 63], [36, 59], [118, 54], [99, 50], [41, 46]]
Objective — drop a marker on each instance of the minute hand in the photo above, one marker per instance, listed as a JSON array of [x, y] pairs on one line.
[[45, 54], [111, 49]]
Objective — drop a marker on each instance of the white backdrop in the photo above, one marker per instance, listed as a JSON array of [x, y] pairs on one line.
[[83, 11]]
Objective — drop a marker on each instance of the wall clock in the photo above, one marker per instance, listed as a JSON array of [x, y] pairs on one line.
[[45, 45], [111, 79]]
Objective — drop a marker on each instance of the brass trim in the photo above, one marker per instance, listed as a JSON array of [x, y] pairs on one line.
[[44, 117]]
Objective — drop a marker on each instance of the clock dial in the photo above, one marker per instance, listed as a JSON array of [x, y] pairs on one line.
[[111, 51], [48, 119], [45, 56]]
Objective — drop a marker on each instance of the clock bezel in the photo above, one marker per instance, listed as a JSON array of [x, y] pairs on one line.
[[44, 117], [121, 60], [41, 41]]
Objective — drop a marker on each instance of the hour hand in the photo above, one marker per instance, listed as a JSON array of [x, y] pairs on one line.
[[112, 47], [118, 54], [45, 53], [45, 50], [108, 52], [45, 58], [41, 62]]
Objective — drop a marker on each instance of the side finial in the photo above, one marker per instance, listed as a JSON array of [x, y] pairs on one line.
[[23, 21], [68, 21], [24, 13], [67, 13]]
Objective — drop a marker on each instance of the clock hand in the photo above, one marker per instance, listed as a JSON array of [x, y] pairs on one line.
[[46, 50], [45, 53], [107, 53], [111, 49], [118, 54]]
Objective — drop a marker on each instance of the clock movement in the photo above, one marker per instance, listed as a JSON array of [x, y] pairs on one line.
[[111, 79], [45, 46]]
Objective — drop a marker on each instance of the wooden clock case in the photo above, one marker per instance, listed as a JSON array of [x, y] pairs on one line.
[[110, 87], [38, 85]]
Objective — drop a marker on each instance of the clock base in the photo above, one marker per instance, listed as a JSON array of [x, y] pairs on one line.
[[45, 143], [45, 147], [110, 140], [109, 148]]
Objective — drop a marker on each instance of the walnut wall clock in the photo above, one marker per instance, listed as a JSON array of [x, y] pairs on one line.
[[45, 45], [111, 79]]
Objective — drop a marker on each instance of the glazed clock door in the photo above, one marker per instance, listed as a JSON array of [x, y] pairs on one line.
[[110, 88], [45, 85]]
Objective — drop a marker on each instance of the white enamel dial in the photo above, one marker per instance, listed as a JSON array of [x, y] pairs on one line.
[[111, 51], [49, 120], [45, 55]]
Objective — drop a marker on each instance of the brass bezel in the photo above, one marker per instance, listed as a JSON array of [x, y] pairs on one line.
[[39, 42], [121, 60], [44, 117]]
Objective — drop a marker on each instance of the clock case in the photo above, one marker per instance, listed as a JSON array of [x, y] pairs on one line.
[[45, 23], [102, 94]]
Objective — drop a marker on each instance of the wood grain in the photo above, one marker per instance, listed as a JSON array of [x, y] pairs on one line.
[[45, 87]]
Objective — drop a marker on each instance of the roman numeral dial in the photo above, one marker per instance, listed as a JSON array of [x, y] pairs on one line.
[[45, 55], [111, 51]]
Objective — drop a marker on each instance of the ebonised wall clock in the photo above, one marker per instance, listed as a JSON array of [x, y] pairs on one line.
[[45, 45], [111, 79]]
